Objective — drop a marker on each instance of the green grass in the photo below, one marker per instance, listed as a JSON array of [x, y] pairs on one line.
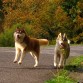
[[76, 60], [62, 76]]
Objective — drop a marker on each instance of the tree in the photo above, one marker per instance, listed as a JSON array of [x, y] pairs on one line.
[[1, 16], [45, 18]]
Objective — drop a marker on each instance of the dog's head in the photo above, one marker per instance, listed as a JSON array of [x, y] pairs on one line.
[[62, 40], [19, 34]]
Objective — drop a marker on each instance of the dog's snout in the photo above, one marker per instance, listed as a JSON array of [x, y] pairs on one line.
[[18, 36], [61, 43]]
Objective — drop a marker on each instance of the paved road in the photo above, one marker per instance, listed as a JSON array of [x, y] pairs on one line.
[[26, 73]]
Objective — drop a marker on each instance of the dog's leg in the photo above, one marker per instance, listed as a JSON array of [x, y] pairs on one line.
[[64, 62], [55, 60], [36, 58], [17, 55], [36, 61], [61, 61], [21, 57]]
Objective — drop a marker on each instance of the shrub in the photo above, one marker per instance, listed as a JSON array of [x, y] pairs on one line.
[[6, 38]]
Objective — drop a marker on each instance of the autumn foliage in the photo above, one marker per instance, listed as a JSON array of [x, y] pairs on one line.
[[45, 18]]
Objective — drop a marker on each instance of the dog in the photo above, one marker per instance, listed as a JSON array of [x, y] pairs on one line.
[[24, 44], [61, 51]]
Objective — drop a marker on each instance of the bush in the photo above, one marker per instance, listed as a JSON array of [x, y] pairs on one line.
[[6, 38], [52, 42]]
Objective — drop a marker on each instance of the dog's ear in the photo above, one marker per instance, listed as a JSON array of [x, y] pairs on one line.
[[65, 37], [17, 28], [23, 30], [59, 35]]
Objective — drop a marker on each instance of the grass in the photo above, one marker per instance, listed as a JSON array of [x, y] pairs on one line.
[[62, 75], [76, 60]]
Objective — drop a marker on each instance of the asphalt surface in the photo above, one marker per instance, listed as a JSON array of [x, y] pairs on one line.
[[25, 73]]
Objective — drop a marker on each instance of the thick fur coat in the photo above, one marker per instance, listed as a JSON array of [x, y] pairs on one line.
[[24, 44], [61, 51]]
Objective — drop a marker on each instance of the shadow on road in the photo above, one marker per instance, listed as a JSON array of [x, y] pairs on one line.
[[74, 68], [31, 68]]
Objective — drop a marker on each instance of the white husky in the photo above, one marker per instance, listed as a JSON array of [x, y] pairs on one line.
[[62, 50]]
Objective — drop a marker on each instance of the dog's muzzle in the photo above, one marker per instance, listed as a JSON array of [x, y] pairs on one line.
[[62, 45], [18, 36]]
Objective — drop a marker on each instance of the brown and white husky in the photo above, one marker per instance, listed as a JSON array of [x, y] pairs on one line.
[[61, 51], [23, 44]]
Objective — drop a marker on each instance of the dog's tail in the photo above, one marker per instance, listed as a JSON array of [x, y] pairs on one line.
[[43, 41], [68, 41]]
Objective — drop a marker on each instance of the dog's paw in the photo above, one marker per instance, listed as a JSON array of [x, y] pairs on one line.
[[19, 63], [15, 61], [60, 66], [35, 65], [55, 65]]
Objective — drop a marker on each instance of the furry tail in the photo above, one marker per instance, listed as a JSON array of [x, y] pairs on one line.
[[69, 41], [43, 41]]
